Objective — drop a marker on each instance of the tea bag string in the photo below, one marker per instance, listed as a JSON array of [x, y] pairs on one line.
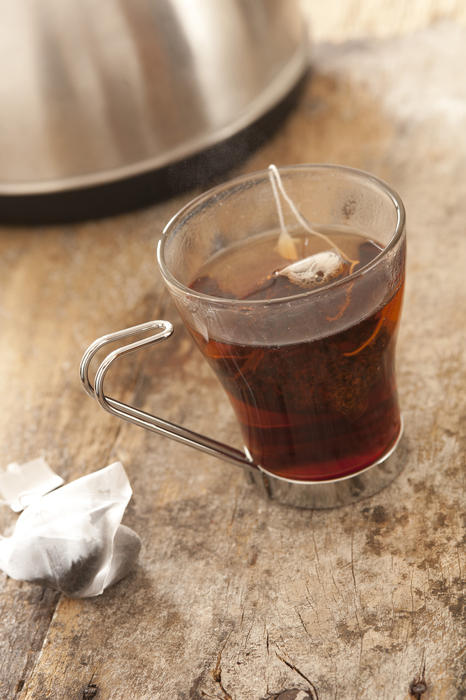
[[286, 243]]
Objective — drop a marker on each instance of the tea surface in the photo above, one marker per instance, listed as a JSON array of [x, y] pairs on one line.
[[248, 270]]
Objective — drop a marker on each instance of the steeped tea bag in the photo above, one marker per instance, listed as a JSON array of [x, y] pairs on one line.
[[72, 539], [315, 269]]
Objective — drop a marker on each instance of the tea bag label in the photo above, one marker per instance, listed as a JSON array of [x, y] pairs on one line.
[[21, 484]]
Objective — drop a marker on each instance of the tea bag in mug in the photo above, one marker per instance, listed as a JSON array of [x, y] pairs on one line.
[[313, 270]]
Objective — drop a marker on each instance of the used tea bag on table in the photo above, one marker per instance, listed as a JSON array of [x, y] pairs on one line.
[[72, 539]]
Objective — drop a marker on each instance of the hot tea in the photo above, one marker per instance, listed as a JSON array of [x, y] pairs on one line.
[[290, 281], [319, 401]]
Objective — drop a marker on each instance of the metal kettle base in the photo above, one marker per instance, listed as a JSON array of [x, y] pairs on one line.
[[201, 170]]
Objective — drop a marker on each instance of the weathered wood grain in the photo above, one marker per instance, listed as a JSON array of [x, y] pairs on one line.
[[235, 597], [45, 317], [355, 19]]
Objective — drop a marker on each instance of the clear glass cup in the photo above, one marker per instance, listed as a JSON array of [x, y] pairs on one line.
[[311, 377]]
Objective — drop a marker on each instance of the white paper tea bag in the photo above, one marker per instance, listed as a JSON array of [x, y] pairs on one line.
[[316, 269], [71, 539]]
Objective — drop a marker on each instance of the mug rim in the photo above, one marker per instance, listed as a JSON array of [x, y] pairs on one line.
[[190, 206]]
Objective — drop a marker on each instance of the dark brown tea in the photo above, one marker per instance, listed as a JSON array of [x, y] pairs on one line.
[[318, 401]]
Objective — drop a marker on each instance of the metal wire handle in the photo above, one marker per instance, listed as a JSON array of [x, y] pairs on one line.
[[133, 415]]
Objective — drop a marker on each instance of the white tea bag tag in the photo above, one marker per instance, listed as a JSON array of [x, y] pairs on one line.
[[21, 484]]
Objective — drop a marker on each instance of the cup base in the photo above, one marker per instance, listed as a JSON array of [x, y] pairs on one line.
[[336, 492]]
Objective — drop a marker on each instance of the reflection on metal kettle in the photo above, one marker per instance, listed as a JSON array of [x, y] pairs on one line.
[[97, 92]]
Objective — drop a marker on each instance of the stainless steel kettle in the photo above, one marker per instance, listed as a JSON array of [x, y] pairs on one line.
[[94, 92]]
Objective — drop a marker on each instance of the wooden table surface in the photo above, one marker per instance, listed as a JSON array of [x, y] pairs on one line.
[[235, 597]]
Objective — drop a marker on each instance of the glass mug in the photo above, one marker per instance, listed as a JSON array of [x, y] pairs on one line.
[[310, 372]]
